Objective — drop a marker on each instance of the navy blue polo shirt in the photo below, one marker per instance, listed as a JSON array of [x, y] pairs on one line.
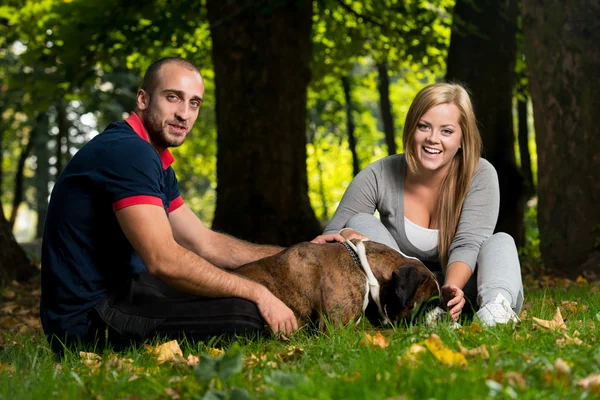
[[84, 251]]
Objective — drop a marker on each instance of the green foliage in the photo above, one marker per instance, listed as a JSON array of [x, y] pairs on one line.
[[530, 252]]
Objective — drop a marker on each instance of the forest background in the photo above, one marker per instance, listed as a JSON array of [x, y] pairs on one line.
[[300, 96]]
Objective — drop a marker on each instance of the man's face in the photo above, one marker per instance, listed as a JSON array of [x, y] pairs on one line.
[[169, 112]]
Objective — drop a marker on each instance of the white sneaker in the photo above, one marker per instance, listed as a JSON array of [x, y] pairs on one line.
[[497, 311]]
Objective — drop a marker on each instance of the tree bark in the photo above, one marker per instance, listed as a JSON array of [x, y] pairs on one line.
[[563, 60], [523, 136], [350, 126], [386, 107], [483, 58], [261, 53], [62, 138], [13, 261], [42, 174], [19, 177]]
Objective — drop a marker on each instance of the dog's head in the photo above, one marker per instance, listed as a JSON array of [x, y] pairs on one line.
[[411, 290]]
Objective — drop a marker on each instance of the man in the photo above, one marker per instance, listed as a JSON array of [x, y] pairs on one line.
[[116, 215]]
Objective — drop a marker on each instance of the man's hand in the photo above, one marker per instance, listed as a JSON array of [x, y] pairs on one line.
[[454, 299], [349, 233], [277, 315], [330, 237]]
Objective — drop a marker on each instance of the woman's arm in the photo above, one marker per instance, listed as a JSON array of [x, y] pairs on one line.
[[360, 197], [478, 216]]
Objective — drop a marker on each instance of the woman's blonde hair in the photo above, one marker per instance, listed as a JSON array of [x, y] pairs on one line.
[[456, 183]]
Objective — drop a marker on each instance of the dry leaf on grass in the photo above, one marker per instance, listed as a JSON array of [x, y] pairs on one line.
[[91, 360], [214, 352], [8, 294], [568, 340], [291, 353], [376, 341], [192, 360], [591, 383], [516, 379], [166, 351], [172, 393], [581, 280], [558, 373], [442, 352], [9, 307], [480, 351], [557, 323]]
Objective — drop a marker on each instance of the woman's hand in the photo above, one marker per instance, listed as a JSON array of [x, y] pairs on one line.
[[454, 298], [330, 237], [349, 234]]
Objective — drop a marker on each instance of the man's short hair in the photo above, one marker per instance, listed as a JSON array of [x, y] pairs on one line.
[[150, 80]]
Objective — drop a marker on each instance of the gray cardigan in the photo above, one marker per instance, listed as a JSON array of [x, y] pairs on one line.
[[380, 186]]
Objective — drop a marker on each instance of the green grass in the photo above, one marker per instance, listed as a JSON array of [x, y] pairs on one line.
[[335, 365]]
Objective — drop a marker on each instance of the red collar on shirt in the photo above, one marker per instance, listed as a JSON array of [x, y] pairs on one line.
[[136, 124]]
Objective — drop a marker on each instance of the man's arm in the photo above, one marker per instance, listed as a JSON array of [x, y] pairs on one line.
[[218, 248], [148, 230]]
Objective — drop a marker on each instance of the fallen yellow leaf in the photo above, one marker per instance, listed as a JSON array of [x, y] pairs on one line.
[[292, 352], [591, 383], [214, 352], [568, 340], [377, 341], [89, 356], [443, 353], [557, 323], [480, 351], [581, 280], [166, 351]]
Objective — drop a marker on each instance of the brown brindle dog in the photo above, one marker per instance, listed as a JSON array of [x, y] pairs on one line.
[[326, 281]]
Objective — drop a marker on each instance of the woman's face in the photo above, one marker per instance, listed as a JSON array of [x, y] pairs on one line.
[[438, 138]]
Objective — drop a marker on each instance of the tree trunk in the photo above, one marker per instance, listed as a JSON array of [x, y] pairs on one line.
[[261, 53], [350, 127], [63, 133], [482, 55], [42, 174], [13, 261], [19, 177], [386, 107], [523, 134], [563, 60]]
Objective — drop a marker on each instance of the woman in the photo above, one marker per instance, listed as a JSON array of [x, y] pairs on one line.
[[439, 202]]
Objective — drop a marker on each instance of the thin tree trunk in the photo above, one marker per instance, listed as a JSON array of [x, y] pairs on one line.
[[19, 177], [523, 134], [487, 31], [63, 132], [261, 54], [350, 125], [563, 59], [42, 174], [386, 107]]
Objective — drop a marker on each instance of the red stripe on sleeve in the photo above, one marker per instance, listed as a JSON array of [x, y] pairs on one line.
[[135, 200], [175, 204]]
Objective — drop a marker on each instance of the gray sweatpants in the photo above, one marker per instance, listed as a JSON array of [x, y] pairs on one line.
[[498, 269]]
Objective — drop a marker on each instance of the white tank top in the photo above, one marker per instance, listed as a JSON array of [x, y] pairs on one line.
[[423, 239]]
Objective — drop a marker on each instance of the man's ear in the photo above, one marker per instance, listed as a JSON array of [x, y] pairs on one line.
[[142, 99]]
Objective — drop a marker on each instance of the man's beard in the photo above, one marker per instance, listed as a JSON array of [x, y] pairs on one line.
[[156, 131]]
